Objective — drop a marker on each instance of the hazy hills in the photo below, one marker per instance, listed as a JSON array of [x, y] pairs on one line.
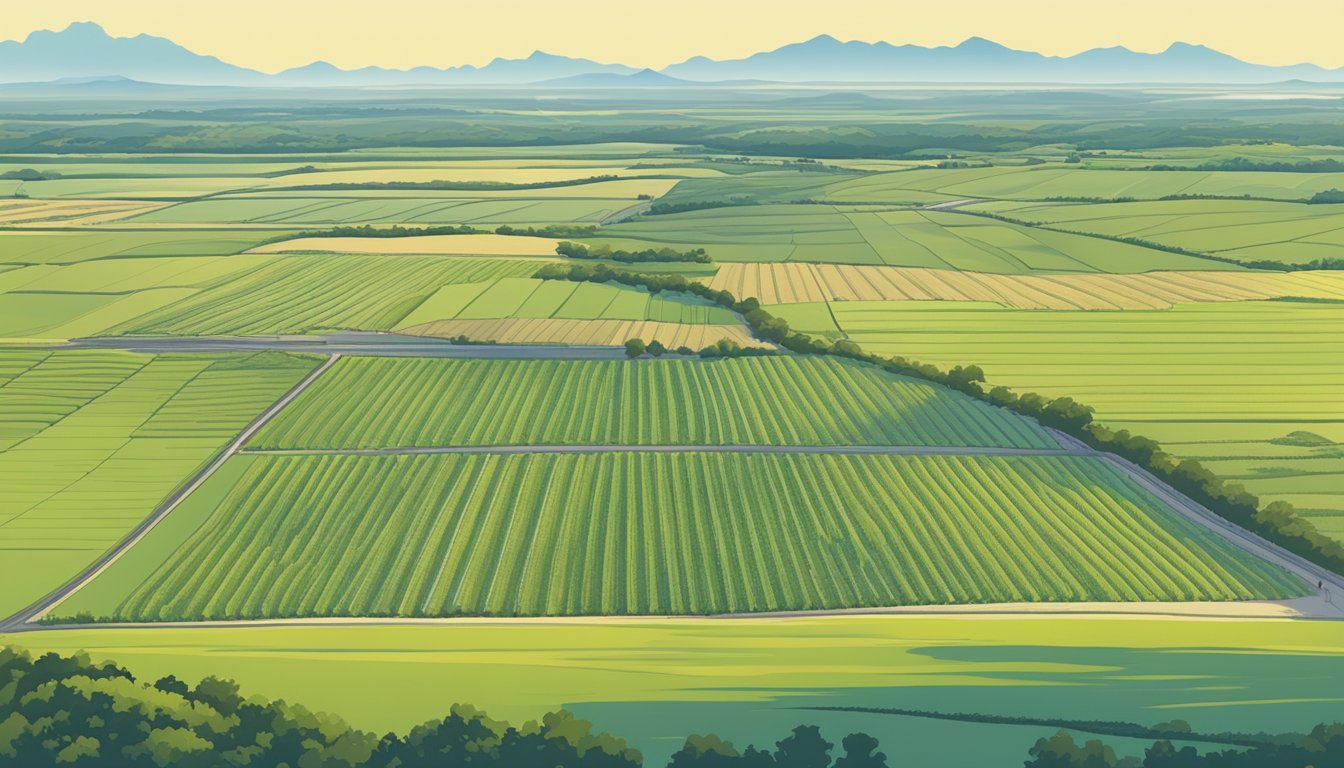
[[84, 50]]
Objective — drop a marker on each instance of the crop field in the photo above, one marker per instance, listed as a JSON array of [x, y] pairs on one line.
[[379, 403], [922, 186], [529, 298], [1053, 181], [452, 245], [1252, 388], [1235, 229], [630, 534], [908, 238], [33, 247], [293, 294], [89, 297], [794, 283], [325, 209], [21, 212], [91, 441]]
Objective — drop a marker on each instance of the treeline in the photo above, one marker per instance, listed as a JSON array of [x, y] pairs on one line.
[[1277, 521], [1324, 746], [459, 186], [657, 255], [70, 711], [1239, 164], [550, 230], [397, 230], [1178, 730], [661, 207], [722, 348], [1327, 196]]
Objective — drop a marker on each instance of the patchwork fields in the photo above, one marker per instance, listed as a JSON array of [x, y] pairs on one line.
[[1233, 229], [90, 442], [300, 293], [874, 235], [629, 534]]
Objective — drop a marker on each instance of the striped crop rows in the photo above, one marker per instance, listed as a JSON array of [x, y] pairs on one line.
[[682, 534], [381, 402], [316, 292]]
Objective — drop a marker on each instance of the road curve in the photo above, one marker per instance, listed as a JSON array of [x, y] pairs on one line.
[[1326, 584], [45, 605]]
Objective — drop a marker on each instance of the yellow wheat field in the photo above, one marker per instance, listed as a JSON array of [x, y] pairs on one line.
[[455, 245], [18, 212], [790, 283], [515, 330]]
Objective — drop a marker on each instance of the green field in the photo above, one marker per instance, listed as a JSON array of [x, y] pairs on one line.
[[379, 402], [1290, 233], [752, 680], [530, 298], [1230, 384], [922, 186], [1055, 181], [33, 247], [406, 208], [875, 235], [293, 294], [435, 535], [90, 442]]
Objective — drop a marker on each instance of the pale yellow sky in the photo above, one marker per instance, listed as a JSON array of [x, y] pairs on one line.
[[274, 34]]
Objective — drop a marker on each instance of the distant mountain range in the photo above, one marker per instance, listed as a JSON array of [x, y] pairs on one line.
[[84, 51]]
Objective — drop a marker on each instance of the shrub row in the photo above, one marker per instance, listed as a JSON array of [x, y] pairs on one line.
[[658, 255], [70, 711]]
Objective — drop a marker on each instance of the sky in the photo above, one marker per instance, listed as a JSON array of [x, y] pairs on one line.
[[271, 35]]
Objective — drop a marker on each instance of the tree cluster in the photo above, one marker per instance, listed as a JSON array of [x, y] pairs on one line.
[[550, 230], [70, 711], [648, 255], [396, 230], [1328, 196], [1326, 165], [1323, 746]]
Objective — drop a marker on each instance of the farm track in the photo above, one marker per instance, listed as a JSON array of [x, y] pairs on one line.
[[39, 609]]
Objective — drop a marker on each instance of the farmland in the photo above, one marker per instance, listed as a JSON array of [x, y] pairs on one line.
[[92, 441], [380, 403], [801, 283], [1249, 388], [528, 527], [1232, 229], [355, 291], [623, 534], [841, 234]]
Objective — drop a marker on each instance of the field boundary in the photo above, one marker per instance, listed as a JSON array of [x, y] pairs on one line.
[[36, 611]]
